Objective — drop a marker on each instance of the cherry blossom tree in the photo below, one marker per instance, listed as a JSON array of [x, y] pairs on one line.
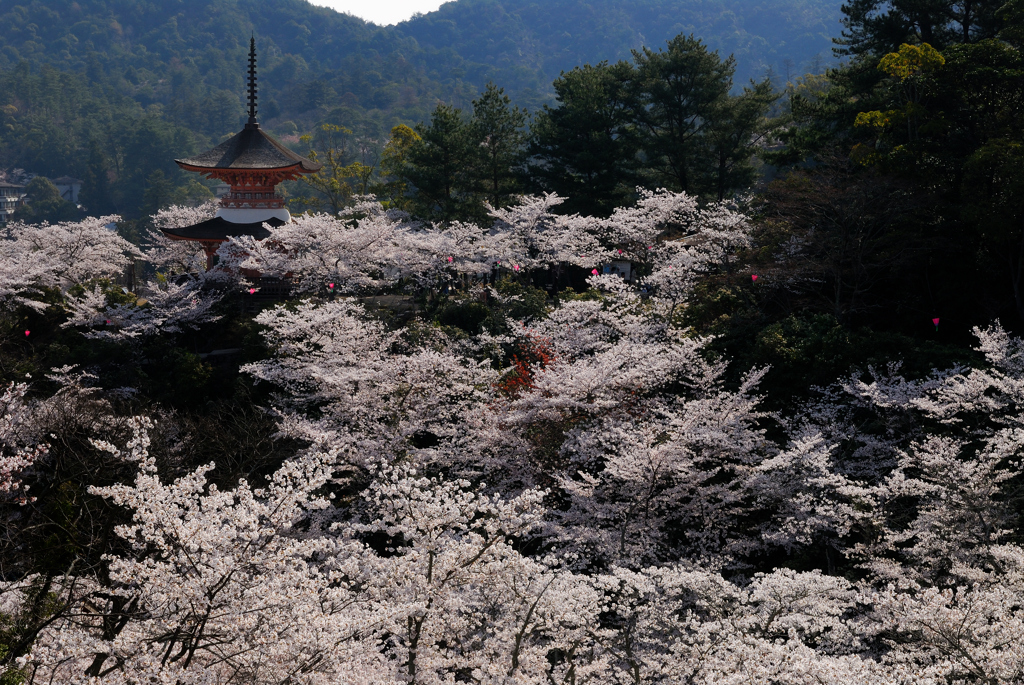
[[34, 258], [167, 308], [586, 496], [221, 589], [73, 252], [19, 446], [347, 380], [173, 257]]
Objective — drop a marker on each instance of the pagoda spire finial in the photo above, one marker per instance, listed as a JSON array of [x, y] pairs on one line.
[[252, 82]]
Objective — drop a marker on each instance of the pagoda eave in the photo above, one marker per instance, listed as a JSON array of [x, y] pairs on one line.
[[233, 176], [218, 229]]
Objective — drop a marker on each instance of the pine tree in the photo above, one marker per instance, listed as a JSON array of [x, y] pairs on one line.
[[584, 147], [95, 194], [500, 129], [438, 166], [678, 95]]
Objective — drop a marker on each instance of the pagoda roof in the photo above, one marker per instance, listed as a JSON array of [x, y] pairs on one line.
[[251, 148], [219, 228]]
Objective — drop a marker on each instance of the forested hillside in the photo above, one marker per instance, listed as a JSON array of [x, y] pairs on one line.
[[121, 87], [528, 43]]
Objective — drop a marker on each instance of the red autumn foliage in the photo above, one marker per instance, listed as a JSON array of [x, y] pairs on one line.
[[534, 353]]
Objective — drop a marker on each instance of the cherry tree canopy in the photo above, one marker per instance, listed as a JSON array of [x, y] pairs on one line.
[[585, 494]]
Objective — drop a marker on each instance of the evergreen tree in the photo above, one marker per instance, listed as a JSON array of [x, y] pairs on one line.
[[678, 95], [158, 193], [341, 177], [96, 192], [881, 26], [438, 166], [584, 147], [500, 129], [737, 128], [393, 187]]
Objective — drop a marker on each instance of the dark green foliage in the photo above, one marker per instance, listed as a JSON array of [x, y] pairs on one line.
[[526, 44], [679, 92], [157, 194], [437, 166], [816, 350], [523, 302], [466, 315], [515, 302], [500, 129], [736, 132], [55, 124], [45, 204], [457, 165], [666, 120], [584, 148], [881, 26], [111, 91], [914, 195], [96, 194]]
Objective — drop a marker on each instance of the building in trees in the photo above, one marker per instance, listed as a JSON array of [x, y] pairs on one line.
[[12, 196], [69, 188], [252, 163]]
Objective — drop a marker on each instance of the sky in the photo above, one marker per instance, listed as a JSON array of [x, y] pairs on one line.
[[381, 11]]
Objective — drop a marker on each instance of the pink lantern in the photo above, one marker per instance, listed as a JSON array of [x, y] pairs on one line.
[[26, 333], [252, 290], [620, 251], [449, 259], [108, 321], [754, 277], [330, 285], [594, 272], [515, 267], [936, 322]]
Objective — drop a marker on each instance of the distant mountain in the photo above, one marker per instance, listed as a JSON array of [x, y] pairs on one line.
[[312, 58], [525, 44], [189, 57], [123, 83]]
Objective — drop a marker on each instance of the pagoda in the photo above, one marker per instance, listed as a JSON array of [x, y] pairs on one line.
[[253, 164]]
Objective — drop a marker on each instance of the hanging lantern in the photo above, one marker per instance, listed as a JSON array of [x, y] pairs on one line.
[[594, 271], [936, 322], [753, 277], [26, 333]]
